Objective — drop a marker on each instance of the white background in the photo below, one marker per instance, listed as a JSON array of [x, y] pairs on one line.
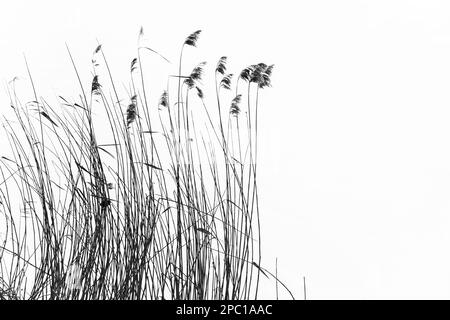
[[355, 133]]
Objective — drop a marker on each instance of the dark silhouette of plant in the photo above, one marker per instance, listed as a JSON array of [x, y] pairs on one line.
[[170, 213]]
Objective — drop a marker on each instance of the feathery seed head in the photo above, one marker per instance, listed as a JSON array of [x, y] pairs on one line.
[[226, 81], [257, 70], [197, 72], [258, 73], [195, 76], [99, 47], [221, 65], [133, 64], [95, 85], [199, 92], [245, 73], [131, 111], [234, 109], [163, 101], [264, 80], [191, 40]]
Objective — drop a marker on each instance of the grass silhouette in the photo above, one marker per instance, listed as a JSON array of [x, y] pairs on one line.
[[153, 214]]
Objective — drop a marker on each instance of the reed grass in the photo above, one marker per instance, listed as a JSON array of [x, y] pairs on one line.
[[152, 214]]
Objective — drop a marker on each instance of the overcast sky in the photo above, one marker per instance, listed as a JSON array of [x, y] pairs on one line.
[[355, 132]]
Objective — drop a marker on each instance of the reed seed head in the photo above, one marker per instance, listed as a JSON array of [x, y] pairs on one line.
[[221, 65], [95, 86], [235, 110], [131, 111], [163, 100], [226, 82], [192, 39]]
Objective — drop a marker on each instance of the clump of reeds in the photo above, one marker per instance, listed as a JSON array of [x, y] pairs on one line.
[[167, 214]]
